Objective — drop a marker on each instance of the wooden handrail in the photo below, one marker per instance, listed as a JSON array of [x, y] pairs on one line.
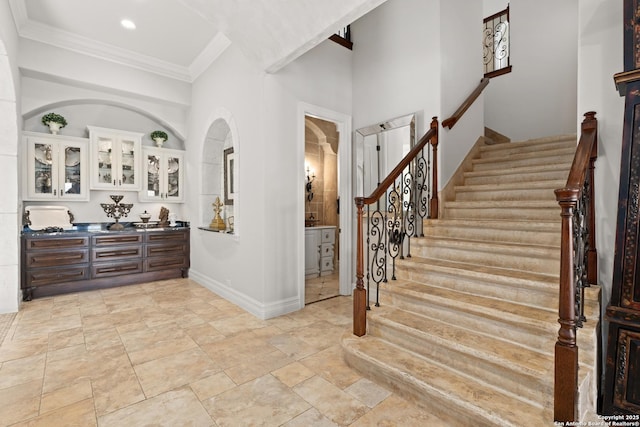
[[360, 293], [569, 197], [451, 121]]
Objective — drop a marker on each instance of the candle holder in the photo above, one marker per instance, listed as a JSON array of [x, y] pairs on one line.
[[116, 211]]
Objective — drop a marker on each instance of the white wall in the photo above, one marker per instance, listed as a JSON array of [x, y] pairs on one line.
[[41, 60], [233, 266], [538, 98], [9, 125], [600, 57], [396, 63], [461, 72], [320, 77], [259, 270]]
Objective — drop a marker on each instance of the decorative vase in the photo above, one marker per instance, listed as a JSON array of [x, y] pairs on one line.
[[54, 127], [159, 141]]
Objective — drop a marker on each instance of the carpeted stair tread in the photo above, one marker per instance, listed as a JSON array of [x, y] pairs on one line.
[[523, 249], [540, 233], [494, 350], [557, 153], [568, 141], [463, 399], [540, 317]]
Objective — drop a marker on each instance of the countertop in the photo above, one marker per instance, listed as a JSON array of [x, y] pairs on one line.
[[103, 227]]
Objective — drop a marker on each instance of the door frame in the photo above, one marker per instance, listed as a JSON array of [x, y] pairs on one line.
[[345, 192]]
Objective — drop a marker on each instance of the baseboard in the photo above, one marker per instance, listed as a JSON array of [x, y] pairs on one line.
[[448, 193], [258, 309]]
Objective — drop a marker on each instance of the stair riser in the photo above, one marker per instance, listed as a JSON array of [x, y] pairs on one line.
[[515, 195], [542, 297], [514, 149], [495, 235], [513, 214], [514, 381], [434, 402], [516, 163], [526, 334], [550, 264], [509, 176]]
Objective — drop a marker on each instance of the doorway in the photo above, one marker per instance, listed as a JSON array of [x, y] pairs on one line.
[[322, 212], [336, 164]]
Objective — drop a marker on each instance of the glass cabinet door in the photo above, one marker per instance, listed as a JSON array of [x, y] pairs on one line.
[[43, 174], [105, 161], [129, 174], [174, 184], [56, 167], [153, 164], [72, 179]]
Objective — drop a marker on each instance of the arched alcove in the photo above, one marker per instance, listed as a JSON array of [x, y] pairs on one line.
[[220, 172], [103, 113]]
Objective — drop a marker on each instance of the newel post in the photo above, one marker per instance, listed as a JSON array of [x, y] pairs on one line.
[[359, 293], [566, 350], [433, 203]]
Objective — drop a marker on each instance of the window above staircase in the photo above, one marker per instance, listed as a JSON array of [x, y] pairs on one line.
[[496, 44]]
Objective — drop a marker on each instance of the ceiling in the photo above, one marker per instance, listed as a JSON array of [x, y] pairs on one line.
[[180, 38]]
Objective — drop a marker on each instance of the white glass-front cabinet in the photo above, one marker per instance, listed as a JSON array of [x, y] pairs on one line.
[[115, 159], [163, 175], [56, 167]]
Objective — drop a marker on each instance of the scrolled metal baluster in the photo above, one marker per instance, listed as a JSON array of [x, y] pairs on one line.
[[394, 225], [378, 248], [422, 194], [408, 209], [368, 264]]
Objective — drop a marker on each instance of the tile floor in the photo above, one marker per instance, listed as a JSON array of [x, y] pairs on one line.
[[172, 353], [322, 287]]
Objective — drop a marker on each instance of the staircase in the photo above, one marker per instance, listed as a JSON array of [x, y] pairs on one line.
[[468, 329]]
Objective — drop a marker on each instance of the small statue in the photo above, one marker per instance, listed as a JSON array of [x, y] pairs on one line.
[[164, 217], [217, 223]]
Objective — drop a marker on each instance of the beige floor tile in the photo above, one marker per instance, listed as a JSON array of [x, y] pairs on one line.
[[332, 402], [66, 338], [320, 334], [102, 339], [395, 411], [260, 402], [20, 402], [47, 326], [259, 365], [292, 346], [203, 333], [150, 344], [77, 414], [161, 375], [65, 396], [330, 365], [213, 385], [368, 392], [293, 374], [236, 349], [174, 408], [20, 371], [116, 388], [238, 323], [311, 417], [17, 349]]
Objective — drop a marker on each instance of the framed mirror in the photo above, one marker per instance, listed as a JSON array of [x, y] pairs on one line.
[[379, 148]]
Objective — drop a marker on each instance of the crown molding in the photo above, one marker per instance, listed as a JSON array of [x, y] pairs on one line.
[[218, 44]]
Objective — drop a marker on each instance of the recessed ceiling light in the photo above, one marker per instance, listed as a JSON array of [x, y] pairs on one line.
[[128, 24]]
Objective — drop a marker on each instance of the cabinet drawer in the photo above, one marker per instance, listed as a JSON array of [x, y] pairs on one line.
[[57, 243], [115, 253], [168, 249], [120, 239], [328, 235], [166, 236], [326, 264], [166, 263], [50, 276], [38, 259], [116, 268], [326, 250]]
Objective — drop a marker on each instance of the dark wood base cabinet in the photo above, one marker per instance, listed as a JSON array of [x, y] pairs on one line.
[[59, 263]]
